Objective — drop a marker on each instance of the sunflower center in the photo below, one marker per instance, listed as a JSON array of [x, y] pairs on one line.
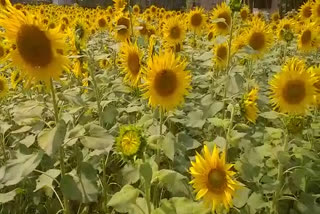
[[307, 12], [306, 37], [217, 180], [130, 143], [294, 91], [34, 46], [210, 36], [3, 3], [286, 26], [257, 41], [196, 20], [318, 10], [102, 23], [52, 25], [2, 52], [123, 21], [165, 82], [175, 32], [244, 14], [276, 17], [143, 29], [227, 20], [1, 86], [222, 53], [134, 63]]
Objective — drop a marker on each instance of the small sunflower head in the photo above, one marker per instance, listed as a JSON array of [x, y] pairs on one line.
[[130, 142], [3, 87], [249, 105]]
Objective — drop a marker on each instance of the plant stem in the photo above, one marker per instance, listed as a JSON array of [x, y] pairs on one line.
[[147, 189], [62, 167], [3, 147], [96, 89], [228, 137], [280, 178], [104, 182]]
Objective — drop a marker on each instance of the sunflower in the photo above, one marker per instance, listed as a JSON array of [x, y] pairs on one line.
[[221, 53], [293, 90], [166, 81], [119, 5], [136, 9], [174, 31], [244, 13], [196, 19], [3, 86], [102, 23], [316, 11], [306, 10], [16, 78], [213, 180], [250, 106], [222, 11], [3, 52], [130, 142], [315, 70], [5, 4], [36, 49], [275, 16], [130, 58], [122, 28], [104, 63], [285, 30], [258, 37], [308, 38]]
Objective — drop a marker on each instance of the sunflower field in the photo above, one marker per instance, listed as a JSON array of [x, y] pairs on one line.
[[151, 111]]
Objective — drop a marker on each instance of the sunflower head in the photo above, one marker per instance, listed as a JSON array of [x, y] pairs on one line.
[[221, 55], [212, 179], [316, 11], [166, 81], [308, 39], [136, 9], [119, 5], [122, 28], [293, 89], [3, 87], [130, 142], [102, 22], [174, 31], [306, 10], [196, 19], [244, 13], [275, 16], [130, 58], [222, 11], [249, 105]]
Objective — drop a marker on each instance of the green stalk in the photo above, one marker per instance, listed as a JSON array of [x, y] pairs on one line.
[[3, 147], [96, 89], [147, 189], [62, 166], [228, 137], [280, 178]]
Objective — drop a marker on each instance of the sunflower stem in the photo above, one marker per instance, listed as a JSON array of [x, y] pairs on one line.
[[62, 166], [96, 89], [228, 137], [3, 147], [147, 189], [280, 178]]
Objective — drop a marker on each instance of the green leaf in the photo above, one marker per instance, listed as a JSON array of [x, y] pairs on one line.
[[110, 114], [69, 188], [256, 202], [130, 173], [188, 141], [22, 130], [9, 196], [195, 119], [101, 143], [241, 197], [50, 141], [87, 183], [271, 115], [28, 141], [4, 127], [219, 122], [167, 144], [172, 180], [45, 180], [123, 200], [27, 112], [146, 172]]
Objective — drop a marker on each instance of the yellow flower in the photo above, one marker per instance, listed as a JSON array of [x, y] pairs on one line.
[[292, 89], [122, 28], [275, 16], [306, 10], [244, 13], [102, 23], [104, 63], [151, 45], [136, 9], [130, 141], [166, 81], [285, 29], [5, 4], [196, 19], [258, 37], [220, 52], [316, 11], [174, 31], [36, 49], [222, 11], [119, 5], [315, 70], [3, 87], [16, 78], [250, 105], [130, 57], [308, 39], [213, 180]]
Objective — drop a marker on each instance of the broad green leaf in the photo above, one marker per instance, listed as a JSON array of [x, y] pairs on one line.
[[256, 202], [172, 180], [23, 129], [50, 141], [45, 180], [9, 196], [195, 119], [167, 144], [130, 173], [27, 112], [241, 197], [101, 143], [87, 183], [146, 172], [271, 115], [69, 188], [123, 200], [4, 127], [28, 141], [188, 141]]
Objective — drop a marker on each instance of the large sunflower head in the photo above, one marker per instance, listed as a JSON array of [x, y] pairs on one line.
[[258, 37], [213, 179], [3, 87], [122, 28], [285, 30], [196, 19], [130, 142], [293, 89], [244, 13], [222, 11], [36, 51], [306, 10], [166, 81], [220, 52], [308, 39], [316, 11], [131, 63], [249, 105], [174, 31]]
